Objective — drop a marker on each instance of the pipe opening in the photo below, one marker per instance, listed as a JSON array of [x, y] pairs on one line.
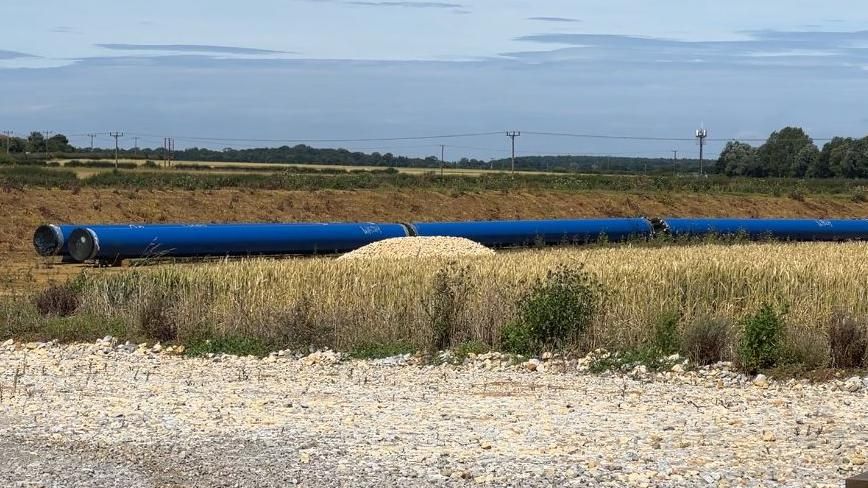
[[48, 240], [83, 244]]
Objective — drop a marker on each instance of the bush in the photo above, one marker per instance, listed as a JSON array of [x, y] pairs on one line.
[[806, 348], [666, 338], [760, 345], [149, 164], [157, 320], [557, 310], [848, 342], [59, 300], [706, 340]]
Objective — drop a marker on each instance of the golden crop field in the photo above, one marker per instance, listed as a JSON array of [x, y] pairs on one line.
[[347, 303]]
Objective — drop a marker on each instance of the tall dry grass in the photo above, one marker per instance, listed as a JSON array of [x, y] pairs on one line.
[[347, 303]]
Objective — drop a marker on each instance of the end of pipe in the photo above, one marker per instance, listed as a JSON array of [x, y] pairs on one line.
[[83, 244], [48, 240]]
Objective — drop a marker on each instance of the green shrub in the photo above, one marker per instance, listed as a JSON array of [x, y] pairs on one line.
[[706, 340], [667, 340], [848, 342], [760, 345], [381, 350], [557, 310]]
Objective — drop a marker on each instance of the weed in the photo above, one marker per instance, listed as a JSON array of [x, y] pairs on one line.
[[667, 340], [556, 311], [848, 342], [449, 291], [805, 348], [59, 300], [706, 340], [381, 350], [157, 320], [760, 345]]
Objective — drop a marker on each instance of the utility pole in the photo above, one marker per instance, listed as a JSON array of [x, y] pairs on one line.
[[91, 141], [136, 143], [169, 146], [45, 137], [675, 161], [442, 162], [512, 135], [8, 134], [116, 135], [701, 134]]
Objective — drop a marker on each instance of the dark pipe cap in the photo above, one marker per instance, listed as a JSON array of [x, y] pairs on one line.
[[48, 240], [83, 244]]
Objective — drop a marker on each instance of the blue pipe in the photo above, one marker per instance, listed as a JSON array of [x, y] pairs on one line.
[[782, 229], [52, 239], [115, 243], [510, 233]]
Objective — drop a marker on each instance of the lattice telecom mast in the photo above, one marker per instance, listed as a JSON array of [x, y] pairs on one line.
[[701, 134]]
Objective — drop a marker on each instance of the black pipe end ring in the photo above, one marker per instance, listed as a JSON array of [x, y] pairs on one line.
[[83, 244]]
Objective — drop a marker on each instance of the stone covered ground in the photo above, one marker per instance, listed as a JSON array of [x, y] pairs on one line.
[[106, 414]]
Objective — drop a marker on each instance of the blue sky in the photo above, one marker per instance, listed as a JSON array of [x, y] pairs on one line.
[[308, 70]]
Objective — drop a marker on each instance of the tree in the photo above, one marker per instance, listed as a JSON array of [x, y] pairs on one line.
[[36, 142], [808, 157], [58, 143], [738, 159], [778, 155]]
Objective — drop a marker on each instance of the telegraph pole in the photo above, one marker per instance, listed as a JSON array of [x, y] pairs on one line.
[[701, 134], [136, 143], [512, 135], [675, 161], [442, 162], [45, 137], [91, 141], [116, 135], [169, 146], [8, 134]]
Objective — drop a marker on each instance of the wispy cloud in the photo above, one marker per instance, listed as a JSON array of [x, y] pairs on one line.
[[190, 48], [406, 4], [14, 55], [766, 48], [554, 19]]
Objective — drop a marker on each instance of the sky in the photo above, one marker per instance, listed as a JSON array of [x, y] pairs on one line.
[[370, 75]]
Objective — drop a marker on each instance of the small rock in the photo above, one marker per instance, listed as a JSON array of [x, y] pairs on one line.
[[857, 459], [546, 356], [853, 385], [769, 436], [761, 381], [10, 342], [157, 348], [532, 364], [678, 368]]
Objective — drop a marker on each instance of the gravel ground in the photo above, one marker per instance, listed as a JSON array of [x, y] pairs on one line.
[[108, 415], [420, 247]]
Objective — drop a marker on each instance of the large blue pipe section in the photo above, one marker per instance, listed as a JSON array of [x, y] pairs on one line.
[[115, 243], [512, 233], [778, 229]]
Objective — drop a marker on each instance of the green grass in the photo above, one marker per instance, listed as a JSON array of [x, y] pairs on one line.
[[379, 351]]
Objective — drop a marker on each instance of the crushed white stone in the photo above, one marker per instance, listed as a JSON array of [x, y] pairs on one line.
[[110, 414], [420, 247]]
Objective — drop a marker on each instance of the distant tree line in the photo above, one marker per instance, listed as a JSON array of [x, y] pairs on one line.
[[791, 152], [36, 143]]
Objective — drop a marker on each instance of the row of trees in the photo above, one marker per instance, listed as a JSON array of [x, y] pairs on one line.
[[36, 142], [791, 152]]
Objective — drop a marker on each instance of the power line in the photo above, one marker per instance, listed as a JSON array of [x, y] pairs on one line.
[[366, 139]]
